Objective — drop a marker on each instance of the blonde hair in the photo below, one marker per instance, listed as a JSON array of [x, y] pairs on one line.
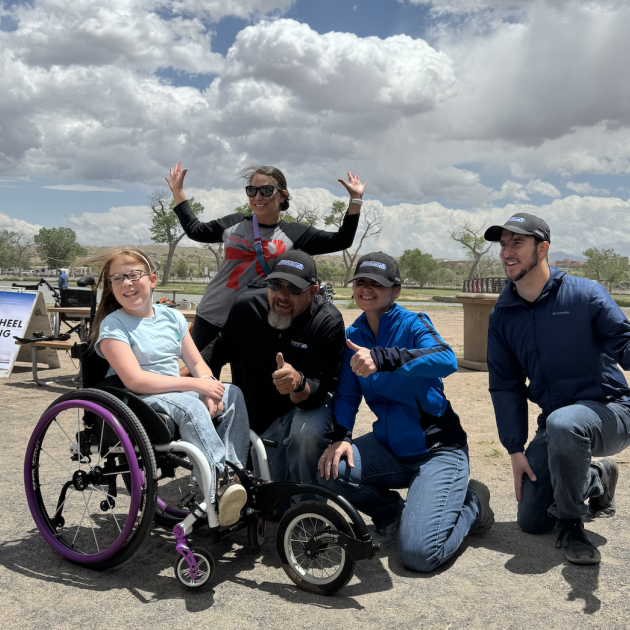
[[109, 303]]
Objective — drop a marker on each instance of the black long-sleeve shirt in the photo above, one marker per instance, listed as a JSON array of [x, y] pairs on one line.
[[313, 345], [241, 266]]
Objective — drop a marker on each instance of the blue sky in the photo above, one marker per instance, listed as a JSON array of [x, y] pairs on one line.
[[464, 109]]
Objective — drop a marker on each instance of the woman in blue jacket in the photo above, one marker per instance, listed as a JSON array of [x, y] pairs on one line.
[[395, 360]]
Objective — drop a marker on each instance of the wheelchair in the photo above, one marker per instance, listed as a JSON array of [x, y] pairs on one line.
[[101, 466]]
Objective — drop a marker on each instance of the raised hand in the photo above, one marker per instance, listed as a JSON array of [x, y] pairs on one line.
[[285, 378], [176, 180], [354, 186], [361, 363]]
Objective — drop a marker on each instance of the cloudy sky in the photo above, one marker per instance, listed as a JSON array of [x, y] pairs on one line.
[[451, 111]]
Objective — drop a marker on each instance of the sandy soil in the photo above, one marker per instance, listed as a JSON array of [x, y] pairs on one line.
[[504, 579]]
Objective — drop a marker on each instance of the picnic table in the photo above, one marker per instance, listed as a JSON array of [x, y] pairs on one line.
[[55, 345]]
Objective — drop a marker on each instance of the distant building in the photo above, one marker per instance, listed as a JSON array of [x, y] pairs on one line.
[[567, 263], [151, 254]]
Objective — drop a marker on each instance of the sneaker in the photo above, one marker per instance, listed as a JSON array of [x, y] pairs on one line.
[[485, 519], [604, 505], [387, 536], [231, 498], [578, 548]]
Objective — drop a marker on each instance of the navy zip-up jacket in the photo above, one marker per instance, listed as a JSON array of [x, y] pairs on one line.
[[406, 394], [567, 345]]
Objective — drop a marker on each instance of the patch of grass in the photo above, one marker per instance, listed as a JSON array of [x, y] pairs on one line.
[[351, 304], [495, 453], [487, 442], [622, 301]]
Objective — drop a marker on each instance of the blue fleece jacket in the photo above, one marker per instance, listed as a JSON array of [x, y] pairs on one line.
[[567, 344], [406, 393]]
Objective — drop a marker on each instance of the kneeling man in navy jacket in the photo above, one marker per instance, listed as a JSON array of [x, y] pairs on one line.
[[566, 335]]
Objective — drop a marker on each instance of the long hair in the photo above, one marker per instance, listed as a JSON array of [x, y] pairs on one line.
[[269, 171], [109, 303]]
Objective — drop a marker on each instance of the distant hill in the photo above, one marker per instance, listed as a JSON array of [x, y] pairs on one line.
[[563, 255]]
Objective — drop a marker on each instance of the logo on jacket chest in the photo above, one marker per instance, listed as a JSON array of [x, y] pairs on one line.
[[560, 313]]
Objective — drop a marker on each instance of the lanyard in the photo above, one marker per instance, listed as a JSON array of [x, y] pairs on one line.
[[258, 247]]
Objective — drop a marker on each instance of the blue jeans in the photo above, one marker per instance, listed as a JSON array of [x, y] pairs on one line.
[[560, 457], [228, 441], [439, 511], [302, 438]]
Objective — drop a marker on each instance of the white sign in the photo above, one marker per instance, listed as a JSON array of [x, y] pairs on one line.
[[15, 313]]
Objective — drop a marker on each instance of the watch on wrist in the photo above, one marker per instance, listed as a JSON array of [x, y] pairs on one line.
[[356, 200], [302, 385]]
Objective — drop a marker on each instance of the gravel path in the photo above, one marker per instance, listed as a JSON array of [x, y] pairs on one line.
[[504, 579]]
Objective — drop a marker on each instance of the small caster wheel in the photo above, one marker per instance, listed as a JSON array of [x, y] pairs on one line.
[[107, 504], [256, 532], [205, 569]]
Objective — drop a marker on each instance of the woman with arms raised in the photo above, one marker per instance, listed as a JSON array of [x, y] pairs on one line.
[[395, 359], [243, 235]]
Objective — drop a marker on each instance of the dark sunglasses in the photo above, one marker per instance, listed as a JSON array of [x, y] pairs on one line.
[[276, 285], [265, 191]]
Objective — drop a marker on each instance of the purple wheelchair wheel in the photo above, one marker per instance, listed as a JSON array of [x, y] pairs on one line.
[[90, 479]]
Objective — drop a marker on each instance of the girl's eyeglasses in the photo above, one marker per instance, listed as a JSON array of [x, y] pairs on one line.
[[132, 276], [265, 191]]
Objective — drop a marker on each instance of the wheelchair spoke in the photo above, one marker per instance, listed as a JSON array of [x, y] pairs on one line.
[[111, 509], [62, 430], [87, 503], [110, 450], [54, 460], [100, 446]]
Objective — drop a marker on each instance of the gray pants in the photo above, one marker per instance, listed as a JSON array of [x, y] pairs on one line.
[[560, 457], [228, 441]]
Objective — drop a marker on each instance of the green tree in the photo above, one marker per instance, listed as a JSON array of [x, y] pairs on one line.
[[605, 266], [330, 271], [244, 209], [181, 268], [475, 245], [58, 247], [419, 267], [23, 245], [370, 225], [165, 226], [7, 248]]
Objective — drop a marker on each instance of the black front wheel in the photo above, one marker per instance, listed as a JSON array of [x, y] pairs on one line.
[[328, 567]]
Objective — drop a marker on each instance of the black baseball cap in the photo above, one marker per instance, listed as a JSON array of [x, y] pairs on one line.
[[520, 223], [378, 267], [296, 267]]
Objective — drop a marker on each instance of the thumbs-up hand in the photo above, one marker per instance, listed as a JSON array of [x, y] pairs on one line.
[[361, 363], [285, 378]]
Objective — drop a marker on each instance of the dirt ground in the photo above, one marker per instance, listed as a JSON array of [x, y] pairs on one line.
[[504, 579]]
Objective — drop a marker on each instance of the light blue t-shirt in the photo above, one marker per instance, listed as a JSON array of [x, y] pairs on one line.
[[156, 341]]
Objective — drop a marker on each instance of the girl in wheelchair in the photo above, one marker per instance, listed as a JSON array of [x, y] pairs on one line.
[[142, 343]]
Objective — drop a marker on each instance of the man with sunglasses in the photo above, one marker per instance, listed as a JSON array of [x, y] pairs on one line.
[[284, 345]]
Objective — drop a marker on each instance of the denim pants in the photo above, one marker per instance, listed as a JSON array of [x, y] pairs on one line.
[[560, 457], [228, 441], [301, 435], [439, 512]]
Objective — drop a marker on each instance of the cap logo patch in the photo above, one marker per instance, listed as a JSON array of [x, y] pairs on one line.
[[519, 219], [373, 263], [291, 263]]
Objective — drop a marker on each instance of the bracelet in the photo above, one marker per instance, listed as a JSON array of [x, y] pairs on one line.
[[356, 200], [208, 376]]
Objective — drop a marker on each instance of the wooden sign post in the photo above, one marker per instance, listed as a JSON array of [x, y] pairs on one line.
[[21, 314]]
